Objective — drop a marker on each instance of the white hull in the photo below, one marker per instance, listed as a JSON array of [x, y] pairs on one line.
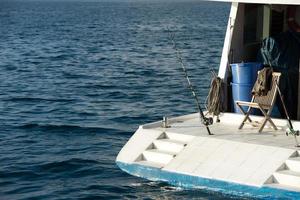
[[246, 160]]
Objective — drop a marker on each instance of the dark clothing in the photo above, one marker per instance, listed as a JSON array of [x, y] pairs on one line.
[[282, 52], [263, 82]]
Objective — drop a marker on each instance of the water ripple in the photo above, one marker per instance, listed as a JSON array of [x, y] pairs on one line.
[[77, 78]]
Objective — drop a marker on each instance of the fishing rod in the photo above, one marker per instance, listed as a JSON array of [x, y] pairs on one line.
[[290, 130], [204, 120]]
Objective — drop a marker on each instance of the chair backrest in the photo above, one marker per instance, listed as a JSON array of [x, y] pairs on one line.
[[270, 98]]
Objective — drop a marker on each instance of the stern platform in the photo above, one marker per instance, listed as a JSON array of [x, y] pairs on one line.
[[243, 161]]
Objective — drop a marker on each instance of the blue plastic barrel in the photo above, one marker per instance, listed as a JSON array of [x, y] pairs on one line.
[[241, 92], [245, 73], [243, 78]]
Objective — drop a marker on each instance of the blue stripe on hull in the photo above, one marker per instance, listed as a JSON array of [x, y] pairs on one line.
[[188, 181]]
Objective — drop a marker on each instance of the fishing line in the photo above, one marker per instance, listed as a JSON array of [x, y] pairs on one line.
[[204, 120], [290, 130]]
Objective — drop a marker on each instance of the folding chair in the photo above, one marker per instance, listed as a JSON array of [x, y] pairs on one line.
[[264, 103]]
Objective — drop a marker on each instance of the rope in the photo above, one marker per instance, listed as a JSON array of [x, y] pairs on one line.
[[214, 99]]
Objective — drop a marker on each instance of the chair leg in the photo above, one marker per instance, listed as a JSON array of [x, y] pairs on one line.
[[263, 125], [267, 118], [270, 120], [272, 123], [264, 120], [246, 115], [245, 119]]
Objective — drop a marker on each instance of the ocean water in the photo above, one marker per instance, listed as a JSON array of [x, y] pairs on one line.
[[76, 80]]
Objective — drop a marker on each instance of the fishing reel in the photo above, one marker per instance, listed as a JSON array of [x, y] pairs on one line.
[[207, 121], [290, 131]]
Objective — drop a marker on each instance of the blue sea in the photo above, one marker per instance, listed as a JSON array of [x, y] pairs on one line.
[[77, 79]]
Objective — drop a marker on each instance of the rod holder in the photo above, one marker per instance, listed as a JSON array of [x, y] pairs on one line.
[[165, 122]]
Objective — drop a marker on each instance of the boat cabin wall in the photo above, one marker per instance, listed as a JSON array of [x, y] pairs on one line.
[[248, 25], [253, 23]]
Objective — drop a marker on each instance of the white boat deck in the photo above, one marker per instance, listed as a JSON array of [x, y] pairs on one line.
[[243, 156], [228, 129]]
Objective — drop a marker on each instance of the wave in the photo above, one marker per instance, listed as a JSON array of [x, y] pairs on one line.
[[71, 75], [64, 127], [36, 99], [28, 174], [66, 165]]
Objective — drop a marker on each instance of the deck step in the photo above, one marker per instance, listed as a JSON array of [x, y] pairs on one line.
[[163, 149], [177, 137], [293, 164], [288, 177], [169, 145], [158, 156], [150, 164]]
